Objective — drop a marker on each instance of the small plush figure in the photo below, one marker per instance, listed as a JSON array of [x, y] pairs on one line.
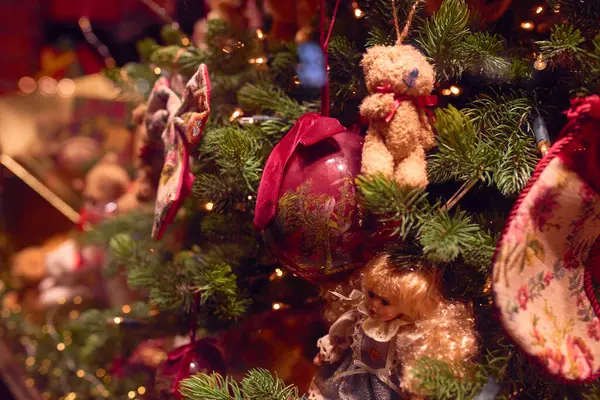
[[401, 317], [399, 80], [27, 270], [105, 182]]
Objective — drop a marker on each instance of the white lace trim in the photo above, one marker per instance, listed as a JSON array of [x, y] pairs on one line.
[[381, 331]]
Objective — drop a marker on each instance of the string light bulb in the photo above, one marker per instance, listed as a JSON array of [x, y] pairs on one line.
[[540, 63], [185, 41], [27, 84], [238, 112], [60, 346], [30, 361], [65, 88], [278, 272], [276, 306], [446, 92], [209, 206], [126, 309], [260, 34], [539, 9], [141, 390], [157, 70], [77, 300], [100, 372], [48, 86], [117, 320], [73, 314], [80, 373], [131, 394], [455, 90], [358, 13], [527, 25]]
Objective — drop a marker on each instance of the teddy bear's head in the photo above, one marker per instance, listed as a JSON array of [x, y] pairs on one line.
[[403, 68], [106, 182]]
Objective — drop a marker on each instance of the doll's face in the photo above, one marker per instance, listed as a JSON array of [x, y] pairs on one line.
[[382, 307]]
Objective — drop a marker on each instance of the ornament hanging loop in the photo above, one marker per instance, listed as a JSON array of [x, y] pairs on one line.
[[401, 35]]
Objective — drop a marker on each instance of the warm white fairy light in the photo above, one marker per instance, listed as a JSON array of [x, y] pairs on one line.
[[260, 34], [47, 85], [126, 308], [185, 41], [131, 394], [117, 320], [238, 112], [455, 90], [540, 63], [209, 206], [27, 84], [539, 9], [527, 25], [278, 272], [65, 88], [60, 346], [276, 306], [157, 70], [358, 13]]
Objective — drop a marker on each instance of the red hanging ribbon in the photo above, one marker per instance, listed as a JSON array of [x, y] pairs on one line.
[[421, 102]]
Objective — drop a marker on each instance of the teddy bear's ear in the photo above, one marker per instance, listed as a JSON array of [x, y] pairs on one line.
[[371, 55]]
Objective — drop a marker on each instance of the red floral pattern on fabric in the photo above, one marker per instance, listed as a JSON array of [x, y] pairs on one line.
[[543, 209], [523, 297], [594, 330]]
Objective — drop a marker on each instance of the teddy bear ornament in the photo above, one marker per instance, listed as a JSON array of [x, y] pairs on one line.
[[399, 80]]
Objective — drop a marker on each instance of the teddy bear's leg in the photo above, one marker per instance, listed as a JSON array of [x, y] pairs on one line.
[[376, 157], [412, 171]]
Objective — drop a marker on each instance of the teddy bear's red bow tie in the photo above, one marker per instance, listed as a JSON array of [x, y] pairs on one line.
[[421, 102]]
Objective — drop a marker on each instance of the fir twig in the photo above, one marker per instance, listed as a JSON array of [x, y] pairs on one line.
[[443, 381], [392, 202], [258, 384]]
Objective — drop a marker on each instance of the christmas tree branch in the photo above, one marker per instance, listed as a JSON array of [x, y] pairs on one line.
[[444, 381], [258, 384]]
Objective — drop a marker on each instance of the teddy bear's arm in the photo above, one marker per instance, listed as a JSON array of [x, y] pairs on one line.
[[376, 158], [427, 134], [377, 105]]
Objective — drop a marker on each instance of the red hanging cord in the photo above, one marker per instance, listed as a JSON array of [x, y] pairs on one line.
[[324, 45]]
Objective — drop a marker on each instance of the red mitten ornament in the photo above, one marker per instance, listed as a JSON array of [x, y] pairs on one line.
[[546, 260], [306, 204], [181, 122]]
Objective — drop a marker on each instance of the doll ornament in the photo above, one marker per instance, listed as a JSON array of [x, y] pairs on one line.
[[402, 316]]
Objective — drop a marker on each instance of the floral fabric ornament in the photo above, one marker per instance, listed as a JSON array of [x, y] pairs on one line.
[[180, 122], [547, 259]]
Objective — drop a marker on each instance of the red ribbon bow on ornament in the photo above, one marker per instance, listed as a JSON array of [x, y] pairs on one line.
[[421, 102]]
